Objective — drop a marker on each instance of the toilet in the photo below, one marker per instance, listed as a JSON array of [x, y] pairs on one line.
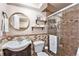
[[38, 47]]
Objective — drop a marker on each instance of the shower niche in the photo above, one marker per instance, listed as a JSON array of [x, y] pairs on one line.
[[52, 28]]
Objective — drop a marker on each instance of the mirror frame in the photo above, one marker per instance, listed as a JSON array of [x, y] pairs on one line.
[[22, 28]]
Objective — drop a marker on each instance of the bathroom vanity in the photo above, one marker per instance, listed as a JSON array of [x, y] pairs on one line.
[[25, 52], [21, 47]]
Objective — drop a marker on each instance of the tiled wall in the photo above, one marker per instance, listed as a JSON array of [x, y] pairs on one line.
[[69, 28]]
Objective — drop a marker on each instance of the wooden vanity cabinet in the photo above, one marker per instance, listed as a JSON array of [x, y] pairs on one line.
[[25, 52]]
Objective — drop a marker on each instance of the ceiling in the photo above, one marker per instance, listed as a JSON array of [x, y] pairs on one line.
[[35, 5], [60, 5], [54, 7], [49, 8]]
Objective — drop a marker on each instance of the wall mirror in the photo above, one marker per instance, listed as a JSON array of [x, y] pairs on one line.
[[19, 21]]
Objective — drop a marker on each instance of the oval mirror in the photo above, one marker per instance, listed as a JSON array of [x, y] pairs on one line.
[[19, 21]]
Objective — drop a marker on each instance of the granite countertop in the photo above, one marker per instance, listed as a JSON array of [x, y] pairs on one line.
[[3, 42]]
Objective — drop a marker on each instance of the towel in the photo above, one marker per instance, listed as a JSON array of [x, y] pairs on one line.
[[77, 52], [53, 43], [6, 25]]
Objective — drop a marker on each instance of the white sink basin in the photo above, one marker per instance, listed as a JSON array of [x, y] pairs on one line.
[[16, 45]]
